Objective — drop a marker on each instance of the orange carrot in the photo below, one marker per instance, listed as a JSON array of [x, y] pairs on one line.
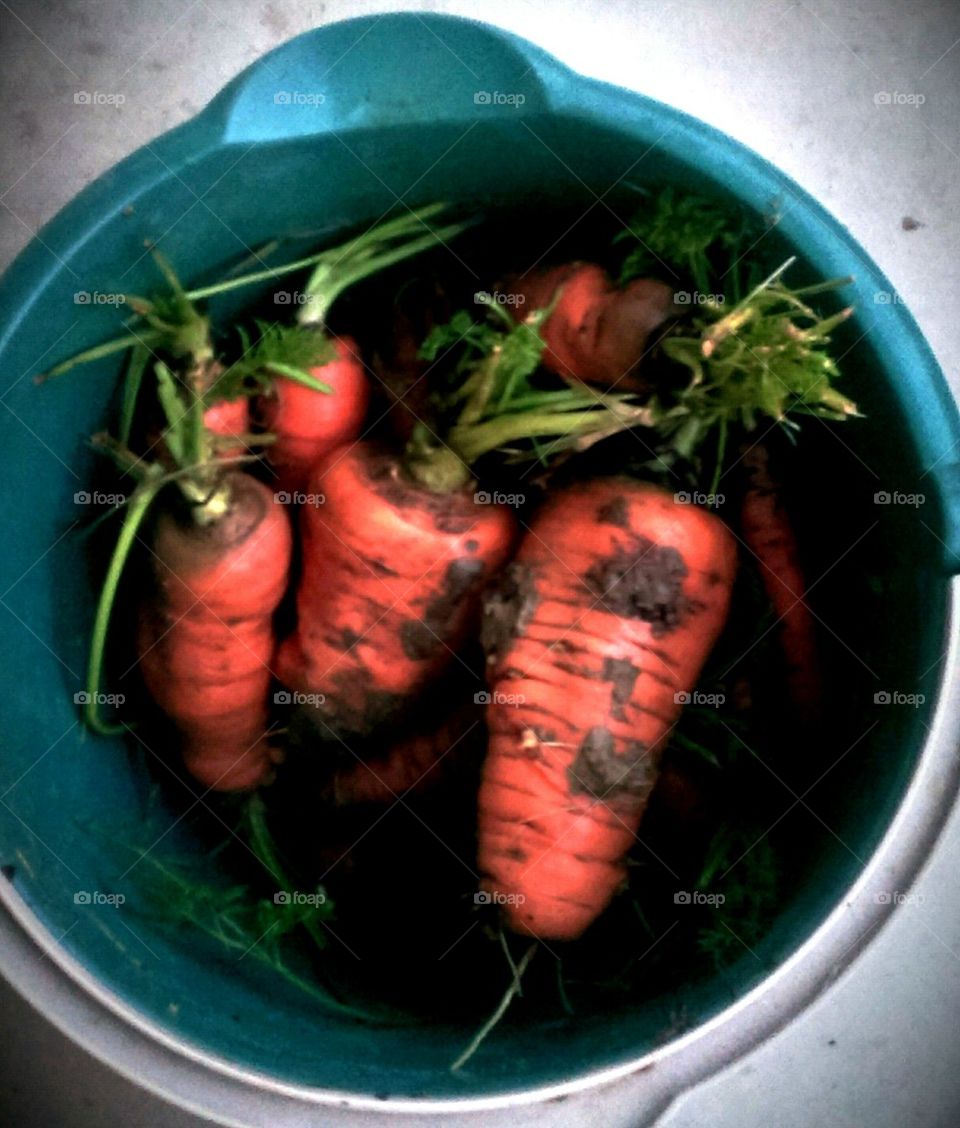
[[597, 332], [392, 572], [307, 423], [420, 761], [768, 533], [611, 606], [229, 420], [205, 636]]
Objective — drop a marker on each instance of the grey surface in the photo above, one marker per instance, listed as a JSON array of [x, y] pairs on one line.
[[796, 82]]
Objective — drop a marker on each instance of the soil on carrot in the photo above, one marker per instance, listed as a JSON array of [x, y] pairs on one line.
[[644, 581]]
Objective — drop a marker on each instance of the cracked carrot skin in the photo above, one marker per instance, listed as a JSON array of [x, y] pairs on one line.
[[602, 625], [205, 636], [391, 585]]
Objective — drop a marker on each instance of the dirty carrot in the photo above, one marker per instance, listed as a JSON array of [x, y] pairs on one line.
[[598, 331], [205, 636], [609, 609]]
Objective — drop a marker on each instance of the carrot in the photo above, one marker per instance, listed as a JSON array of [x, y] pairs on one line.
[[317, 390], [768, 534], [205, 636], [597, 332], [418, 762], [392, 572], [396, 556], [611, 606], [230, 419], [307, 423]]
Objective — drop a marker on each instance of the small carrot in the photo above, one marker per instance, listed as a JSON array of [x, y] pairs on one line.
[[317, 390], [768, 534], [598, 332], [230, 420], [307, 423], [205, 636], [418, 762], [612, 604]]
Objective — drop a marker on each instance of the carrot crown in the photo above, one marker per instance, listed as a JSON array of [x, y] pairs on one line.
[[493, 401], [765, 355]]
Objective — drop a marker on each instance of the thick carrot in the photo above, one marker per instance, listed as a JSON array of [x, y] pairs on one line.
[[597, 332], [205, 637], [307, 423], [392, 573], [768, 533], [612, 604]]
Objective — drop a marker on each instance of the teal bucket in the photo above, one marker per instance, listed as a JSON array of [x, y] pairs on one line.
[[436, 108]]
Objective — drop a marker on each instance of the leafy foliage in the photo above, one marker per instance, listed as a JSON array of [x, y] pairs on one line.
[[682, 236]]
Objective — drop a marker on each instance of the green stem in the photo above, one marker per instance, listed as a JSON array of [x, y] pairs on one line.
[[473, 441], [261, 841], [508, 996], [331, 279], [139, 356], [108, 348], [137, 510]]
